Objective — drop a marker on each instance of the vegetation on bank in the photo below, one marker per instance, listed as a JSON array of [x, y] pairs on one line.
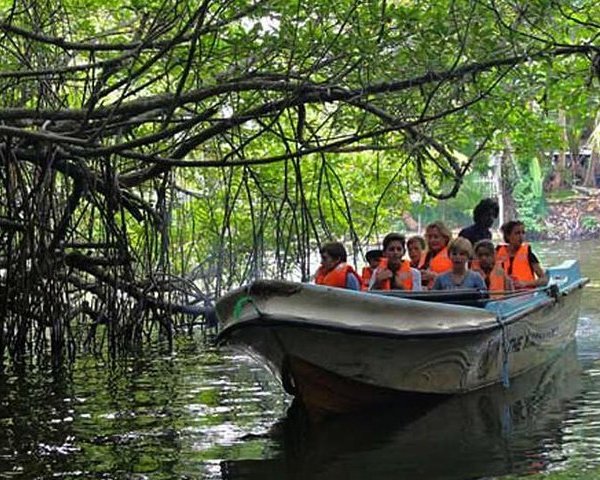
[[154, 154], [582, 473]]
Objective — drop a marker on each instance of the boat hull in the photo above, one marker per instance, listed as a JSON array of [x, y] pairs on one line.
[[489, 433], [323, 392]]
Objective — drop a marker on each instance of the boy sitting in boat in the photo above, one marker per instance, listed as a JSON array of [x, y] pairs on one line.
[[373, 257], [393, 272], [416, 251], [486, 265], [459, 278], [334, 271]]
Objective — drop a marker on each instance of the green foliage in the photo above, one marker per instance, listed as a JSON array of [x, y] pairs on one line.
[[529, 197], [589, 223], [562, 194], [576, 472], [457, 212]]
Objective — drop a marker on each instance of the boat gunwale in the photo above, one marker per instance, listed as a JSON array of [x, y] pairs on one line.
[[268, 320], [262, 319]]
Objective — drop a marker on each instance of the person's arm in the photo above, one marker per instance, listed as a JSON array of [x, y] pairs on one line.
[[438, 284], [478, 281], [379, 275], [416, 280], [372, 280], [509, 285], [428, 276], [352, 282], [542, 276]]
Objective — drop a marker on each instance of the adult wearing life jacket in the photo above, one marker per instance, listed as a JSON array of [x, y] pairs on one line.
[[517, 259], [492, 272], [437, 260], [334, 271], [393, 272], [372, 257], [415, 246]]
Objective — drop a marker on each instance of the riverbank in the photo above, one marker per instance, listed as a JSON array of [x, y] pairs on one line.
[[576, 217], [570, 217]]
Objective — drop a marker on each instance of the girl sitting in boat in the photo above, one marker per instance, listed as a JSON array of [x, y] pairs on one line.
[[373, 257], [486, 265], [393, 272], [334, 271], [459, 278], [437, 261], [518, 261], [416, 251]]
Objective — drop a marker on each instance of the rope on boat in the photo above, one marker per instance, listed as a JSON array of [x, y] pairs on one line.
[[552, 291], [505, 375]]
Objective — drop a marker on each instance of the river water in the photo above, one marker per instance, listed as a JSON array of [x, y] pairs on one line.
[[205, 414]]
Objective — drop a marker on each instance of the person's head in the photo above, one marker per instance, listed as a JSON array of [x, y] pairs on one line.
[[485, 253], [415, 246], [394, 248], [486, 212], [460, 251], [437, 235], [332, 253], [513, 232], [373, 257]]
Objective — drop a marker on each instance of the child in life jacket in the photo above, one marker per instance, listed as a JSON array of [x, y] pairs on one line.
[[393, 272], [459, 277], [373, 257], [334, 271], [492, 272], [416, 251], [518, 261]]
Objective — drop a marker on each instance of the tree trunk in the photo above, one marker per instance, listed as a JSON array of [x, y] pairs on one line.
[[558, 180], [593, 167], [507, 182], [573, 136]]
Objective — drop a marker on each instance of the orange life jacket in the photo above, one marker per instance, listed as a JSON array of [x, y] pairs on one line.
[[405, 275], [518, 266], [495, 279], [337, 276], [367, 273], [441, 263]]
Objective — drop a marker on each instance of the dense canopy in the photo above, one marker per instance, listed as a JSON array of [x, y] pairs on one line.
[[155, 153]]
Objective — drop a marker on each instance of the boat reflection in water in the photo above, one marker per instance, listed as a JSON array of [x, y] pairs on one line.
[[494, 431]]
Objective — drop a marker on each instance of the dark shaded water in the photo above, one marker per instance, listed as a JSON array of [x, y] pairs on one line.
[[202, 414]]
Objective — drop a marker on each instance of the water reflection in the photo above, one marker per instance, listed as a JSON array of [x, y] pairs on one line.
[[154, 416], [491, 432]]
